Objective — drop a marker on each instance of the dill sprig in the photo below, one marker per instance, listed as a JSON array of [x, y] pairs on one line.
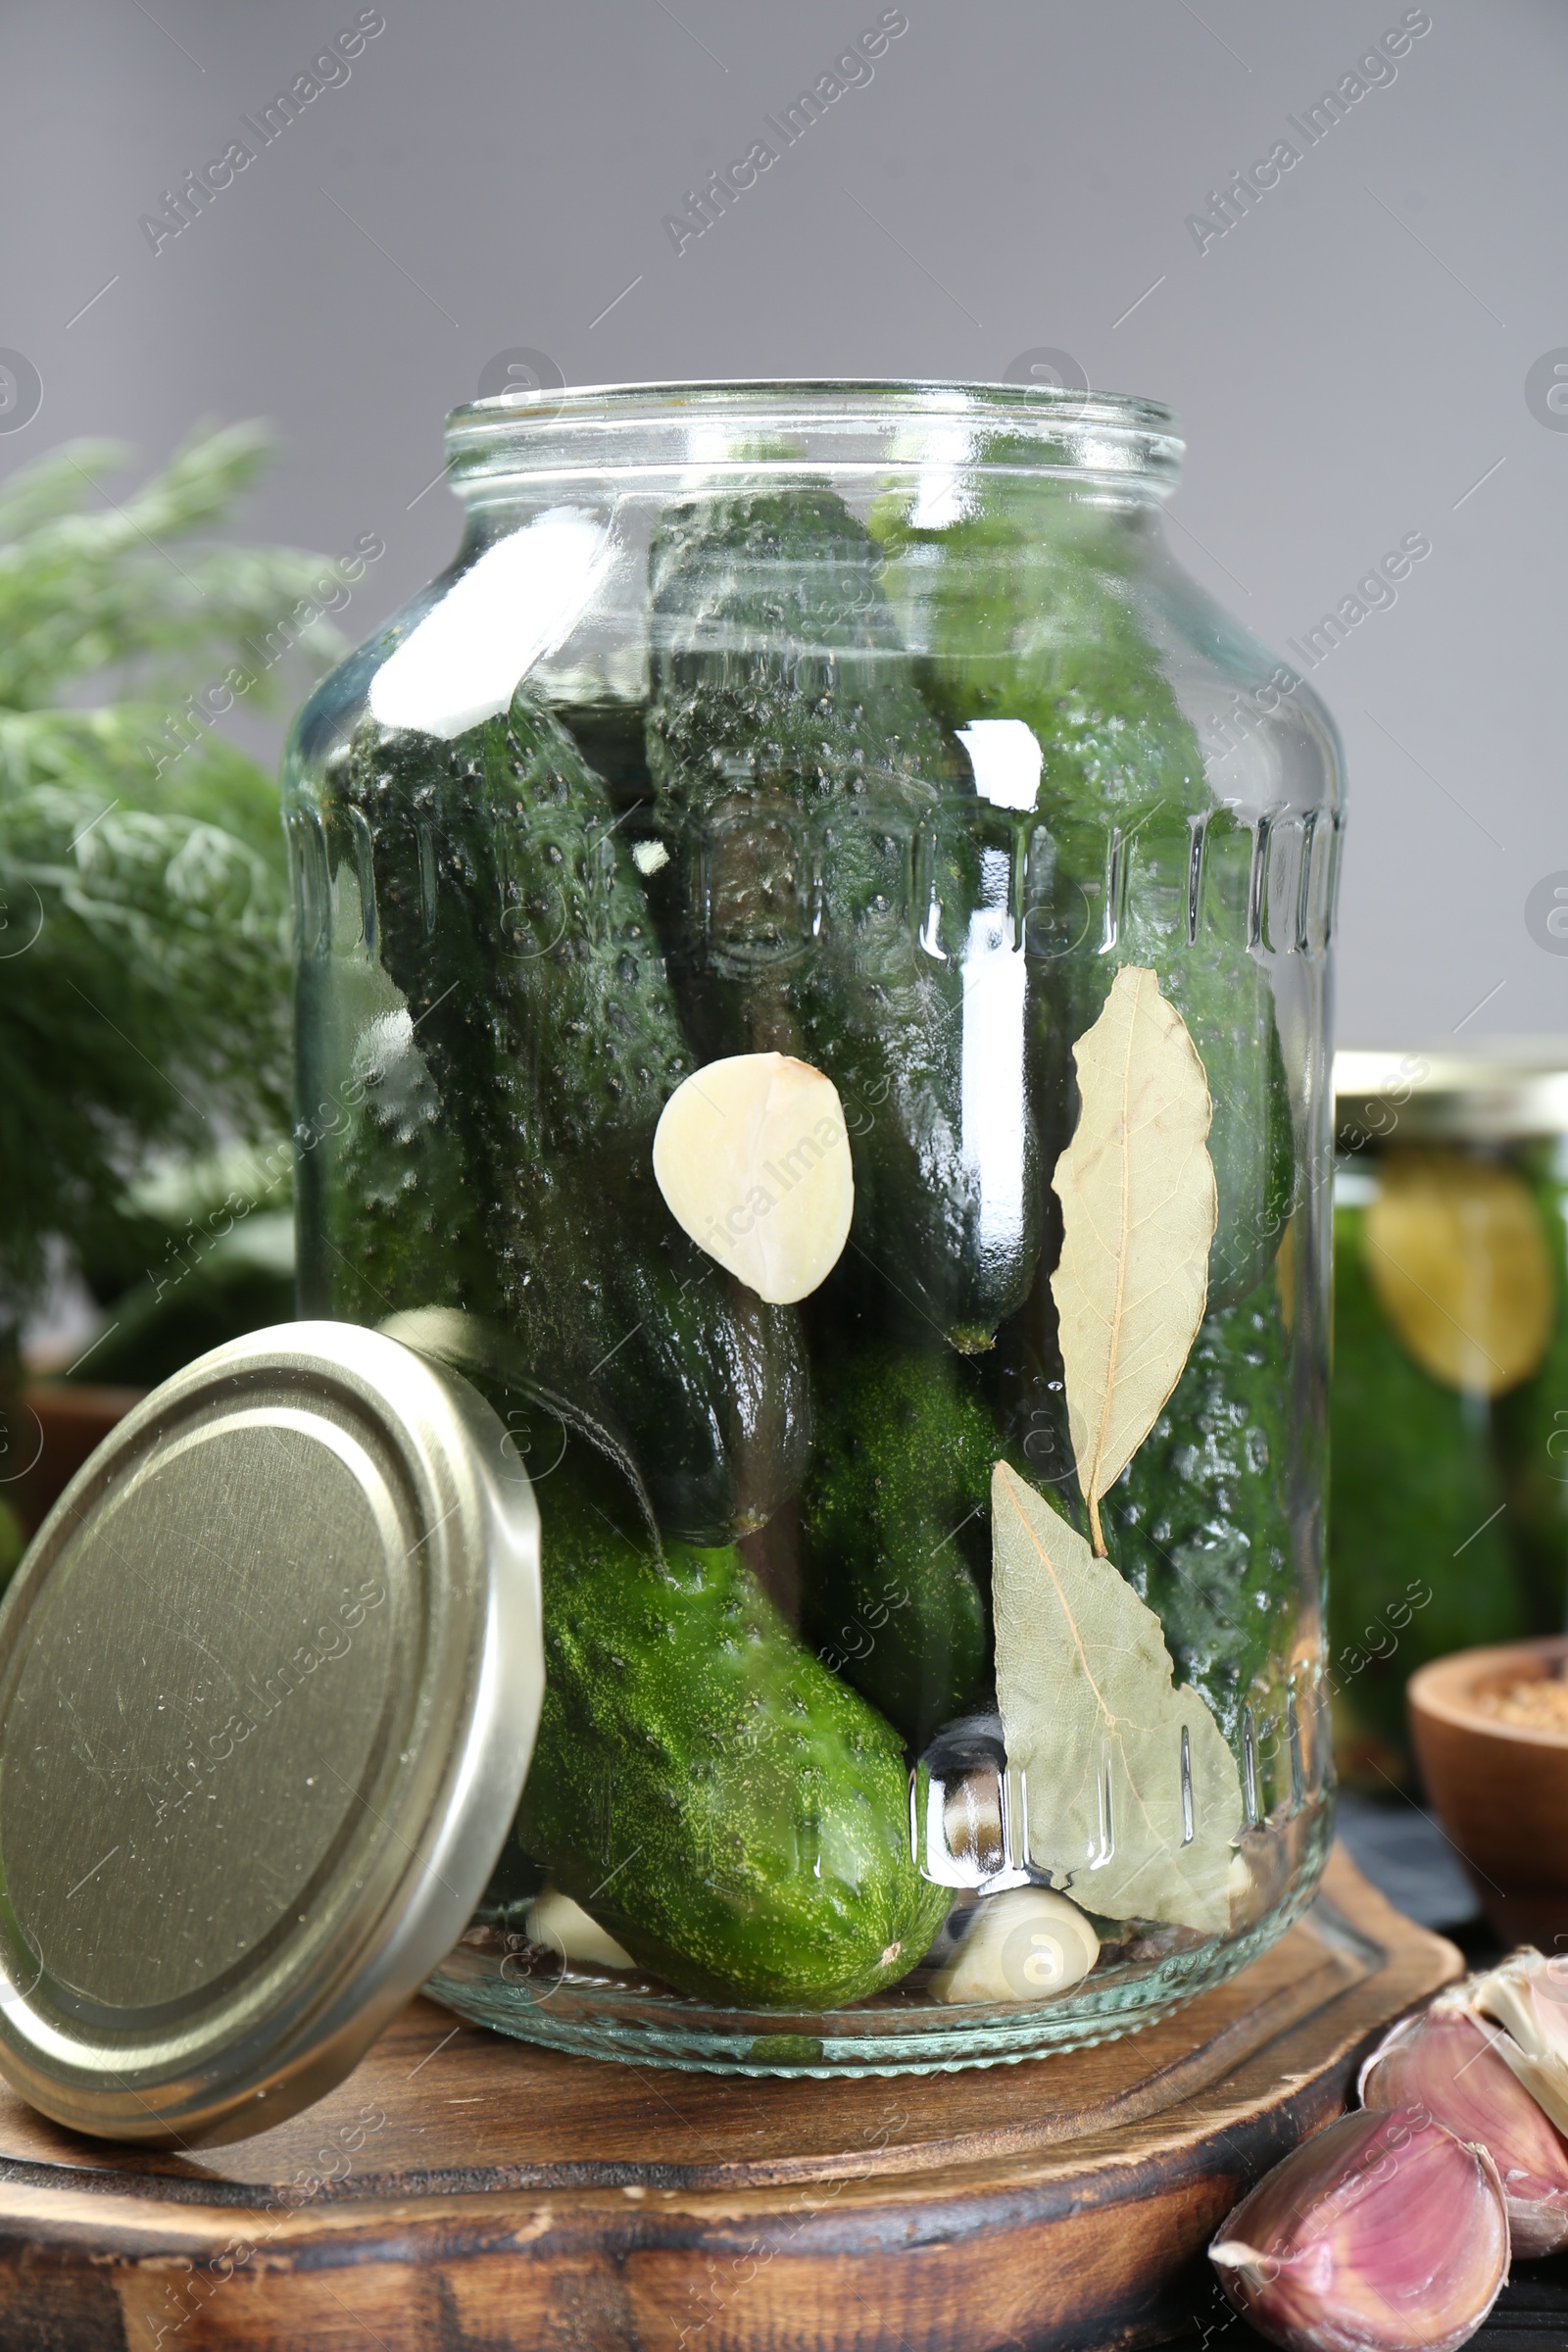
[[144, 968]]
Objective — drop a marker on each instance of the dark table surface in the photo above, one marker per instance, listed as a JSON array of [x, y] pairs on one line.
[[1530, 2315]]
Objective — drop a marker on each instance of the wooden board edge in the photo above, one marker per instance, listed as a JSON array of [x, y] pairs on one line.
[[1256, 2106], [1081, 2248]]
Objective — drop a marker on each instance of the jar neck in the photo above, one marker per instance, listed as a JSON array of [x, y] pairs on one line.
[[932, 441]]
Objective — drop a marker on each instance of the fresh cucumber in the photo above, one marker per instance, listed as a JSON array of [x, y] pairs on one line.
[[829, 866], [411, 1232], [1037, 622], [897, 1532], [730, 1811], [1201, 1522], [1223, 995], [540, 1043]]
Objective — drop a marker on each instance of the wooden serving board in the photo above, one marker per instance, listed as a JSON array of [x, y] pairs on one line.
[[466, 2193]]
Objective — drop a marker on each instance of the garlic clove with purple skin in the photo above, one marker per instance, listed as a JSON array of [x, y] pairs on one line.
[[1528, 1996], [1447, 2061], [1381, 2234]]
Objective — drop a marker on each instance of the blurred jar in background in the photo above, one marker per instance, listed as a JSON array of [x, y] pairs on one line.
[[1449, 1484]]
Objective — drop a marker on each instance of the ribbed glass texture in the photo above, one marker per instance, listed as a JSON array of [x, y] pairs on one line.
[[854, 737]]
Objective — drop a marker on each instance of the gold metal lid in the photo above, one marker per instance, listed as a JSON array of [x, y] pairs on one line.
[[270, 1679], [1517, 1088]]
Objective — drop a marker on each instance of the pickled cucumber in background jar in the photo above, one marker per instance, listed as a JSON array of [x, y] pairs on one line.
[[812, 966], [1449, 1517]]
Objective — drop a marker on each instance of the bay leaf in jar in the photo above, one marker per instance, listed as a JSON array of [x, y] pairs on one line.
[[1139, 1204], [1134, 1797], [1457, 1257]]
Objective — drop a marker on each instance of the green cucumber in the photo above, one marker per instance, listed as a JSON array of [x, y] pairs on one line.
[[1223, 995], [410, 1230], [730, 1811], [897, 1530], [1038, 623], [1200, 1522], [829, 857], [540, 1043]]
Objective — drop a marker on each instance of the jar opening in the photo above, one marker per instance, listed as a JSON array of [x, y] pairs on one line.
[[1109, 438]]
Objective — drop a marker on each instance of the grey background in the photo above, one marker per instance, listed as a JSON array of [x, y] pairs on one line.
[[1348, 363]]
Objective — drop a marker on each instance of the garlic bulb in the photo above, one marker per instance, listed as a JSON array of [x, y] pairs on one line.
[[1446, 2061], [1381, 2234], [1527, 1996]]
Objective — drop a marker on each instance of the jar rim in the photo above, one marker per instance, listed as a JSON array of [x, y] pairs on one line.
[[844, 423], [1511, 1090]]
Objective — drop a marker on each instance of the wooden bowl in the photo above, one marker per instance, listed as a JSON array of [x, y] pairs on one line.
[[62, 1426], [1501, 1790]]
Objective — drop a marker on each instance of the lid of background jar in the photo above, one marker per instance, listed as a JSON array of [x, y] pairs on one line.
[[270, 1679], [1509, 1091]]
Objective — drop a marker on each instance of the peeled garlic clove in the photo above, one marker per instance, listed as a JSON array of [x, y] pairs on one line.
[[752, 1158], [1446, 2061], [1382, 2233], [561, 1926], [1023, 1946], [1527, 1996]]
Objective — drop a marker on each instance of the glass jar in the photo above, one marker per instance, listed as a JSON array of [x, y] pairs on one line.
[[1450, 1509], [701, 890]]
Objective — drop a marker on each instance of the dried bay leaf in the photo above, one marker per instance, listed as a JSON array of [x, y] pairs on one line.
[[1132, 1791], [1139, 1211]]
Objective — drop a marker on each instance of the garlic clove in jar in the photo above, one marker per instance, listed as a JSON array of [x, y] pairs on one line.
[[1446, 2061], [1026, 1944], [1381, 2234], [753, 1157], [1528, 1996], [559, 1925]]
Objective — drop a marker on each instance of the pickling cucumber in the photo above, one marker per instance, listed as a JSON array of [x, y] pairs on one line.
[[897, 1532], [401, 1220], [725, 1807], [827, 871], [1200, 1522], [1037, 624], [538, 1046]]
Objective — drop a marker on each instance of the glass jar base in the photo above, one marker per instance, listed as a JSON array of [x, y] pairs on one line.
[[898, 2033]]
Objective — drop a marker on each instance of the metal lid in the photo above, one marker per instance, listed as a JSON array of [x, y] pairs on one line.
[[1517, 1088], [270, 1679]]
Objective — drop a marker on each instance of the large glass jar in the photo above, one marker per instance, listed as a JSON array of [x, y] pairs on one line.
[[701, 891], [1450, 1509]]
